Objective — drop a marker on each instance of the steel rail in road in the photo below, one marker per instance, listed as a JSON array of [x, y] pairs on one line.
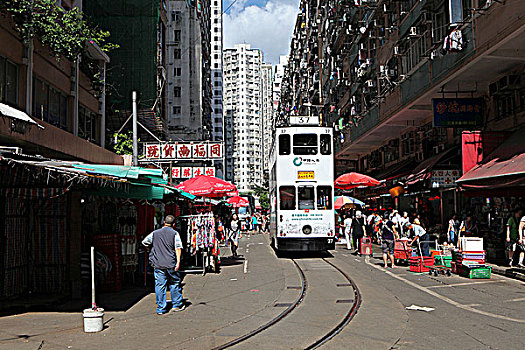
[[348, 317], [304, 286]]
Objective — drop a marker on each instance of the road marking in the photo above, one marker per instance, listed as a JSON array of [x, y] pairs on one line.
[[517, 299], [443, 298], [245, 266], [472, 305], [463, 284]]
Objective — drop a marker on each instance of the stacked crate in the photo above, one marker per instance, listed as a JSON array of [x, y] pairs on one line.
[[420, 264]]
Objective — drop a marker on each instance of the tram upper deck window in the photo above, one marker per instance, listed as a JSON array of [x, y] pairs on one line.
[[287, 197], [306, 197], [324, 197], [326, 144], [284, 144], [305, 144]]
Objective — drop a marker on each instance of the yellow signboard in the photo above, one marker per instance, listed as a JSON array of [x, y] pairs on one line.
[[305, 175]]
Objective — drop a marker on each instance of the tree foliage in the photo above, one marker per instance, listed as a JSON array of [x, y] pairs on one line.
[[123, 143], [65, 33], [262, 193]]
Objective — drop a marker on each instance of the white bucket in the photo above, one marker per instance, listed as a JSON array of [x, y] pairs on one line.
[[93, 320]]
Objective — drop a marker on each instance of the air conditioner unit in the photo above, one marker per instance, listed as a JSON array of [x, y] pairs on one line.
[[413, 31], [370, 83], [381, 69], [396, 50]]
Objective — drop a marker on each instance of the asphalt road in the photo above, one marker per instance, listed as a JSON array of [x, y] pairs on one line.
[[468, 314]]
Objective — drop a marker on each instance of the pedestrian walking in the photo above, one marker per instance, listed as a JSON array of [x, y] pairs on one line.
[[358, 231], [452, 232], [513, 235], [388, 235], [347, 226], [234, 234], [521, 232], [254, 223], [165, 256]]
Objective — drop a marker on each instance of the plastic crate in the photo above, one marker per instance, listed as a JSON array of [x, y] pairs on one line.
[[402, 254], [443, 260], [482, 272], [418, 264]]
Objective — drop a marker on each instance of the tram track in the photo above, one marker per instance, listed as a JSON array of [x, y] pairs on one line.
[[356, 303], [298, 300]]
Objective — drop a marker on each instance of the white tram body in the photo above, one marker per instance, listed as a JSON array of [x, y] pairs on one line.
[[301, 189]]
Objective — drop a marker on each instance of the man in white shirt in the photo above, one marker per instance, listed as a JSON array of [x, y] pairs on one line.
[[347, 224]]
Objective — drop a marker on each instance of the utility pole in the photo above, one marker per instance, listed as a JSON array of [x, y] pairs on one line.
[[135, 131]]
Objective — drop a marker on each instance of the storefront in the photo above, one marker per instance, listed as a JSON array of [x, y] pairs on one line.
[[492, 188]]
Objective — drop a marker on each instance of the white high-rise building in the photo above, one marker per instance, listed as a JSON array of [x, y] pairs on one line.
[[243, 102], [277, 81], [267, 113], [217, 117]]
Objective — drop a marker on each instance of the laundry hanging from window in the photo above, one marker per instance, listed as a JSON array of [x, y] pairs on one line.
[[453, 42]]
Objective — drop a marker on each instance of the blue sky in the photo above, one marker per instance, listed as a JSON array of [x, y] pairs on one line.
[[265, 24]]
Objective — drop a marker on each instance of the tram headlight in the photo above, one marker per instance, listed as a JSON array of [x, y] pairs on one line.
[[307, 229]]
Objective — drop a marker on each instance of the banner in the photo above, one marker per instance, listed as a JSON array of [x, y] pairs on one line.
[[188, 172], [190, 151], [458, 112]]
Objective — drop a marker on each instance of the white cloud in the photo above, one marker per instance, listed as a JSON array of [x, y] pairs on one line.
[[268, 27]]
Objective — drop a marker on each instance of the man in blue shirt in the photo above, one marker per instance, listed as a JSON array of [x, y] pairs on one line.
[[165, 254]]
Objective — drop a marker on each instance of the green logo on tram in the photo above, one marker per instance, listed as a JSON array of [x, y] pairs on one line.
[[298, 161]]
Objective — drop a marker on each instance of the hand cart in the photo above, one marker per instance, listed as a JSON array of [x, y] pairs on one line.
[[402, 251], [434, 269]]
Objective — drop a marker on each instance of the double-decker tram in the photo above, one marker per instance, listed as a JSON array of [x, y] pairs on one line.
[[301, 189]]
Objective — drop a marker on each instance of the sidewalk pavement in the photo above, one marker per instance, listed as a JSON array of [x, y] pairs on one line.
[[511, 272]]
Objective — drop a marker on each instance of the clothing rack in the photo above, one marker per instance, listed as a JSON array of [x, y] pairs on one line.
[[201, 244]]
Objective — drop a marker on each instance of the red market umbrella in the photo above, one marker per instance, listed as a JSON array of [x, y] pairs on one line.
[[238, 202], [207, 186], [353, 180]]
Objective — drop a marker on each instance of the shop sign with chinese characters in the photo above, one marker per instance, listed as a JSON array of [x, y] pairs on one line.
[[444, 178], [188, 172], [186, 151], [458, 112]]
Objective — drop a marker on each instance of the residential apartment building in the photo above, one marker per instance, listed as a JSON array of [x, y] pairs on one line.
[[267, 114], [409, 87], [139, 27], [277, 81], [243, 102], [184, 88], [217, 119]]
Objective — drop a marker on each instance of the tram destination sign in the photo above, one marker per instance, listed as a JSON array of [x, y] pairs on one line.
[[183, 151], [304, 120]]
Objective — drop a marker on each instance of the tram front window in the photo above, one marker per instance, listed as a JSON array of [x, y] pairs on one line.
[[305, 144], [326, 144], [287, 197], [306, 197], [284, 144], [324, 197]]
